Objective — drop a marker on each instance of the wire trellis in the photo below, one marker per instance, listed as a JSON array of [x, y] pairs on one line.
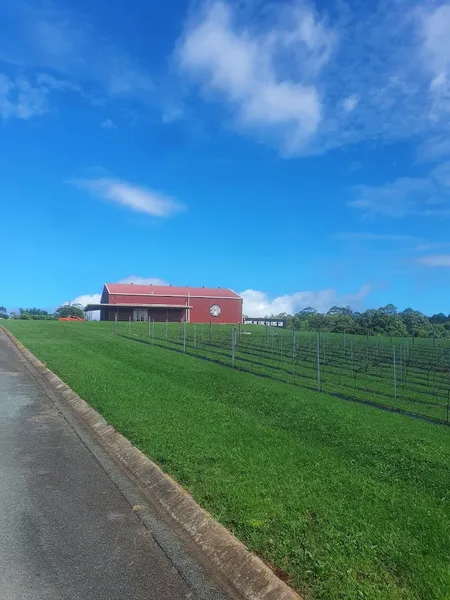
[[391, 373]]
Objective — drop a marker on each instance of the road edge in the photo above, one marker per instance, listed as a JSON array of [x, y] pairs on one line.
[[242, 570]]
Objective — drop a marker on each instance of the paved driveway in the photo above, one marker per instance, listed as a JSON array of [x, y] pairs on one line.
[[66, 529]]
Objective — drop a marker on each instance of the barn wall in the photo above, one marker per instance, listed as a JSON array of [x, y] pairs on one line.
[[231, 310]]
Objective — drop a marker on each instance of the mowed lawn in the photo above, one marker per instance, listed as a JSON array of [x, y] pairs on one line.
[[350, 501]]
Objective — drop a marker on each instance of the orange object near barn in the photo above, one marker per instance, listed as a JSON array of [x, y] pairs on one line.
[[70, 319]]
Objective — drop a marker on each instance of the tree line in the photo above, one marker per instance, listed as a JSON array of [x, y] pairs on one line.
[[386, 320], [38, 314]]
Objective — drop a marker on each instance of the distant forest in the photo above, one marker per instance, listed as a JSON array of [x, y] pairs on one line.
[[386, 320]]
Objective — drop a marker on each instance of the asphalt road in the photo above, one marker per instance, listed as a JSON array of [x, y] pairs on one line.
[[66, 529]]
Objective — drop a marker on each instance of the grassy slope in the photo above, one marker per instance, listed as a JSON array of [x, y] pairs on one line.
[[350, 501], [419, 390]]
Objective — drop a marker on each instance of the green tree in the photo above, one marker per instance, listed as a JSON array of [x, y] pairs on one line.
[[301, 319], [385, 320], [341, 323], [33, 311], [389, 309], [416, 323], [340, 310], [318, 322], [438, 319], [309, 310], [70, 310]]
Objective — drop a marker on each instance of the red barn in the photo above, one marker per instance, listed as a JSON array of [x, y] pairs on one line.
[[168, 303]]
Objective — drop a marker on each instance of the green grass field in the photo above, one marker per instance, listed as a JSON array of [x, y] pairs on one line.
[[350, 501], [401, 374]]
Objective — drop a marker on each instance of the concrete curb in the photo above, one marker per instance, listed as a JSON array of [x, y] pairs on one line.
[[241, 570]]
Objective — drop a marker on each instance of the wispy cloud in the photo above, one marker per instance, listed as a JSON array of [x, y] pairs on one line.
[[435, 24], [108, 124], [294, 75], [434, 148], [55, 84], [366, 236], [241, 66], [21, 98], [306, 79], [350, 103], [434, 260], [435, 29], [51, 38], [430, 246], [425, 196], [260, 304], [84, 299], [137, 198], [25, 97]]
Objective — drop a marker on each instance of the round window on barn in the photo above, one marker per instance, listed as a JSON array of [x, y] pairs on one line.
[[215, 310]]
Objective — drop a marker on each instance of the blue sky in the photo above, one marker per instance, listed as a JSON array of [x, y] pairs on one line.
[[298, 153]]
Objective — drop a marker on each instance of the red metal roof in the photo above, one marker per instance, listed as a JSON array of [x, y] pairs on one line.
[[169, 290]]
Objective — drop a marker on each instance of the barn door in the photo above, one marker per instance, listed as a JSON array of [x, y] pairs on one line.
[[140, 314]]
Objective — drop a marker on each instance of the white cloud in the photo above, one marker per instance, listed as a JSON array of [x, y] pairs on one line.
[[434, 260], [243, 66], [350, 103], [259, 304], [137, 198], [85, 299], [295, 74], [308, 79], [434, 148], [24, 97], [398, 198], [137, 280], [53, 83], [435, 25], [108, 124], [51, 37], [21, 99], [426, 196]]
